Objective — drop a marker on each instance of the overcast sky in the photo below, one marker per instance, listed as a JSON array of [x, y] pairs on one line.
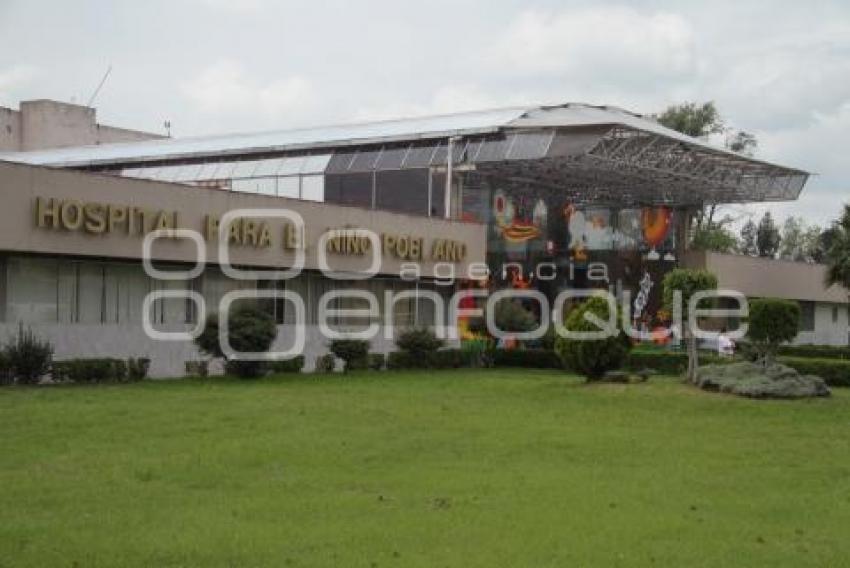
[[778, 69]]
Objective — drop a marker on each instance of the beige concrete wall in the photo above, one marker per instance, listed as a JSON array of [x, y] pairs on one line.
[[10, 130], [20, 185], [768, 278], [42, 124], [828, 331], [771, 278]]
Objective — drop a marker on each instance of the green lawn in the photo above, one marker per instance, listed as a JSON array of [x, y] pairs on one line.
[[496, 468]]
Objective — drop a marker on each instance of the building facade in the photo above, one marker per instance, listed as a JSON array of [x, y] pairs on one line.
[[824, 311], [547, 198]]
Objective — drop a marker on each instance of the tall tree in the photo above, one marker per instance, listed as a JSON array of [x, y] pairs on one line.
[[701, 121], [767, 237], [837, 256], [748, 244], [693, 119], [791, 245]]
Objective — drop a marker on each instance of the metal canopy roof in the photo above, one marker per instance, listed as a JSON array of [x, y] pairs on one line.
[[591, 153]]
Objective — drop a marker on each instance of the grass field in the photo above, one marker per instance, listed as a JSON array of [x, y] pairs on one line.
[[467, 469]]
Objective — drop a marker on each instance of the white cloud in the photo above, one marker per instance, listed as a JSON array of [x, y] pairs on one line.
[[447, 99], [15, 79], [608, 44], [224, 88]]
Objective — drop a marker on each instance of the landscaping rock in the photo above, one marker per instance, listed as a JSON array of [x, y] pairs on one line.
[[615, 377], [757, 381]]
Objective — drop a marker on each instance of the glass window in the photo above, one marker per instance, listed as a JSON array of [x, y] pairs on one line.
[[288, 186], [90, 292], [405, 191], [316, 164], [807, 316], [349, 189], [291, 166], [313, 188], [268, 167], [31, 290]]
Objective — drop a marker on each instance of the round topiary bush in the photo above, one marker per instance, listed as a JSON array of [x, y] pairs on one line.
[[354, 352], [772, 322], [592, 357], [250, 329]]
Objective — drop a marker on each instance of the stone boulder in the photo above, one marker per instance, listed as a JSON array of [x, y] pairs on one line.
[[758, 381]]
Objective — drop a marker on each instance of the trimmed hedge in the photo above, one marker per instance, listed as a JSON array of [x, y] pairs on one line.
[[377, 361], [668, 362], [836, 372], [100, 370], [293, 365], [526, 358], [816, 351], [442, 359]]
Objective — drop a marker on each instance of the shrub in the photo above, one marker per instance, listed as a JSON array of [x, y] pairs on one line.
[[28, 356], [688, 282], [478, 352], [511, 317], [377, 361], [249, 330], [403, 360], [325, 363], [6, 376], [91, 370], [354, 352], [817, 351], [199, 368], [137, 368], [592, 358], [293, 365], [420, 343], [836, 372], [771, 322], [527, 358], [668, 362]]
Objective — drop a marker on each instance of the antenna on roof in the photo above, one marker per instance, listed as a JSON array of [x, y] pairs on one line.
[[99, 86]]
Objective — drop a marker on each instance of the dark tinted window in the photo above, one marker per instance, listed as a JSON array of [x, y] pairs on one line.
[[349, 189], [405, 191]]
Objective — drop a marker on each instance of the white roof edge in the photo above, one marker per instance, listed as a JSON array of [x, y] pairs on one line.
[[379, 132]]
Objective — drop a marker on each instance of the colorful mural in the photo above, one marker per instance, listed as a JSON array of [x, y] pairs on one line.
[[515, 220]]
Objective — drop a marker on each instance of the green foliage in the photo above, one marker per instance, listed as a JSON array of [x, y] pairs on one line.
[[836, 372], [592, 358], [688, 282], [293, 365], [527, 358], [815, 351], [442, 359], [800, 241], [747, 245], [94, 370], [837, 254], [693, 119], [419, 342], [479, 352], [197, 368], [377, 361], [511, 317], [250, 329], [667, 362], [6, 375], [354, 352], [715, 239], [137, 368], [28, 356], [771, 322], [325, 363], [768, 238]]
